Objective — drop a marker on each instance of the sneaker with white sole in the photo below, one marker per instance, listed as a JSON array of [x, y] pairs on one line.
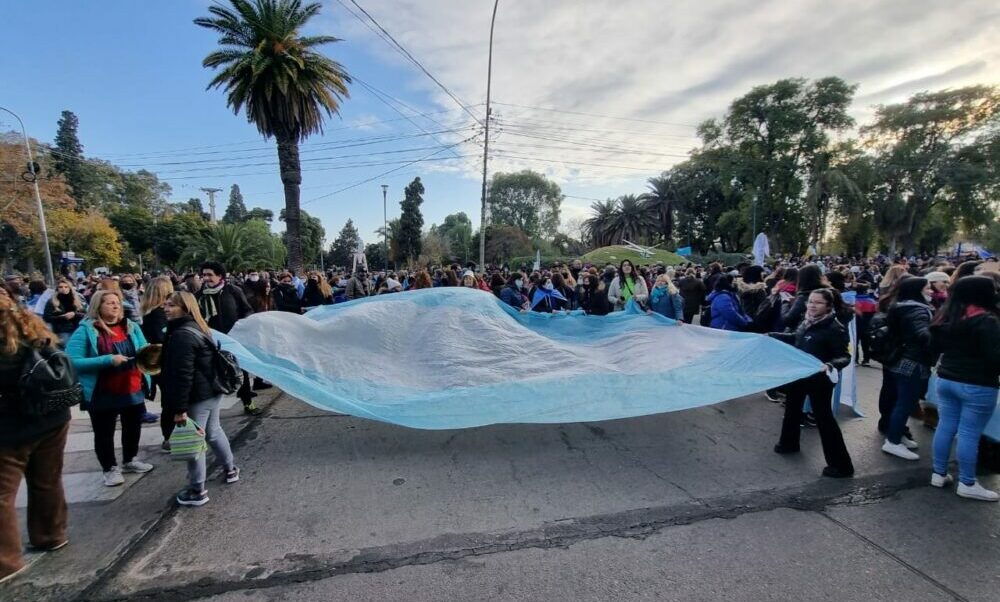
[[909, 443], [113, 477], [899, 450], [941, 480], [137, 467], [192, 497], [977, 492], [233, 475], [165, 447]]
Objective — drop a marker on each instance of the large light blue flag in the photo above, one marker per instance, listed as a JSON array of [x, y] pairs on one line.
[[456, 357]]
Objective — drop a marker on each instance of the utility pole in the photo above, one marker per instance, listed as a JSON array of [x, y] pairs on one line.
[[385, 227], [486, 144], [38, 201], [211, 200]]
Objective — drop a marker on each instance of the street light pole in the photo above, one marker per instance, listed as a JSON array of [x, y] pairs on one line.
[[486, 144], [38, 201], [385, 228]]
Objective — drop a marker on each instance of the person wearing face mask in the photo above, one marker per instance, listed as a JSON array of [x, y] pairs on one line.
[[317, 291], [285, 296], [511, 294], [939, 288], [594, 296], [131, 294], [626, 286], [821, 335], [257, 291], [64, 311], [546, 299], [909, 327], [359, 285], [103, 351]]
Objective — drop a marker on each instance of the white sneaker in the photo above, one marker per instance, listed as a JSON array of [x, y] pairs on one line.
[[977, 492], [909, 443], [899, 450], [113, 477], [137, 466], [941, 480]]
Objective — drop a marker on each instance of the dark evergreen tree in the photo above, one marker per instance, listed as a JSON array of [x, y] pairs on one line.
[[411, 222], [236, 211], [312, 233], [68, 155], [342, 249]]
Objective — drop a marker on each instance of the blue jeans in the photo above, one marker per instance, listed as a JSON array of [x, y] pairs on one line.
[[965, 410], [909, 390], [206, 414]]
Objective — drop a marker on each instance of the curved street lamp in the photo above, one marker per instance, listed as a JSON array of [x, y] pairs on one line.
[[38, 201], [486, 145]]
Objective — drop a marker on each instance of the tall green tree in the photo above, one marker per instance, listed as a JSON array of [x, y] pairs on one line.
[[236, 210], [68, 156], [276, 74], [599, 225], [773, 135], [527, 200], [264, 215], [935, 150], [342, 248], [411, 222], [660, 201], [313, 234], [456, 230]]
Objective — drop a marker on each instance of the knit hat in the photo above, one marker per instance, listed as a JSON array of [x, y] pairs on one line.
[[938, 277], [468, 273]]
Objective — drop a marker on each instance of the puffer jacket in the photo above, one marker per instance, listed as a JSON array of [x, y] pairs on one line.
[[726, 311], [693, 291], [187, 375], [909, 326], [970, 349]]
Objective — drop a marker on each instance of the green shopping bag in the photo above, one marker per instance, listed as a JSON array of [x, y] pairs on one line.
[[187, 441]]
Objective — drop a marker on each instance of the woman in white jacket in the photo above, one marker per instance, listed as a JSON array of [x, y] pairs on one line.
[[628, 284]]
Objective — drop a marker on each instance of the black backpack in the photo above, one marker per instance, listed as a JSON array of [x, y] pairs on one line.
[[228, 376], [880, 340], [48, 382]]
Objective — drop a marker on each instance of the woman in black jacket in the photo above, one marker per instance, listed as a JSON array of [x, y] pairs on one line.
[[967, 333], [64, 310], [594, 297], [188, 379], [822, 336], [154, 328], [30, 447], [909, 329]]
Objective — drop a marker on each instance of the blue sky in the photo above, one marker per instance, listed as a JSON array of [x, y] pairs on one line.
[[627, 81]]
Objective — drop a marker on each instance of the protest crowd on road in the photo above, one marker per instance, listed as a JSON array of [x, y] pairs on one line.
[[912, 316]]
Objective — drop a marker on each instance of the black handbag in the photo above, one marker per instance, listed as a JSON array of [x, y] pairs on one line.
[[48, 382]]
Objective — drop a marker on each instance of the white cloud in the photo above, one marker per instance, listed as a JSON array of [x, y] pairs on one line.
[[673, 63]]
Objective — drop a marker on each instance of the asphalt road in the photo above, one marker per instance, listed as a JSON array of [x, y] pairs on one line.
[[691, 505]]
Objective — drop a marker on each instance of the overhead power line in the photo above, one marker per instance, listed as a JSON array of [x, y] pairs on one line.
[[409, 56], [673, 123]]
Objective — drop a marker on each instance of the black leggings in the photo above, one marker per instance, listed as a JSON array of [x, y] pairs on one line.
[[104, 423]]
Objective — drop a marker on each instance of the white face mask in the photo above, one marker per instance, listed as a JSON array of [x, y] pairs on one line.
[[928, 297], [519, 283], [254, 277], [548, 286]]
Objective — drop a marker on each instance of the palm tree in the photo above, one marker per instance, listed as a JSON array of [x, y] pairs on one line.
[[284, 85], [659, 202], [827, 184], [231, 244], [598, 226], [631, 220]]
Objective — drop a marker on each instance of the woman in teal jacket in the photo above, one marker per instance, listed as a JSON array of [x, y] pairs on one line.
[[103, 351]]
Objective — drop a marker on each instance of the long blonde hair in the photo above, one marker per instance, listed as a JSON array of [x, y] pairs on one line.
[[324, 286], [189, 303], [77, 301], [19, 326], [94, 311], [892, 276], [156, 294], [670, 285]]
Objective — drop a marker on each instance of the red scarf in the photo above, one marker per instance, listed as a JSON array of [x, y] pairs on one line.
[[972, 311]]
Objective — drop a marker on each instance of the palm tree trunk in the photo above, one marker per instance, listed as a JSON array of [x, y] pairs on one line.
[[291, 177]]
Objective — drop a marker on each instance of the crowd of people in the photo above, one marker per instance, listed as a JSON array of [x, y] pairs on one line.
[[909, 315]]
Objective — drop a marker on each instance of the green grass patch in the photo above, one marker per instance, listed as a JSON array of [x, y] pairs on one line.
[[616, 254]]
